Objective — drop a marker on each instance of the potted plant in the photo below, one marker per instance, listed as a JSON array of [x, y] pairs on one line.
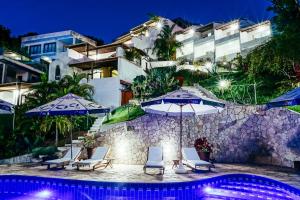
[[89, 144], [204, 148]]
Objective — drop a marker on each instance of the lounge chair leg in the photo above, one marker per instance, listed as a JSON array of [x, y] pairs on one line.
[[78, 167], [48, 166], [144, 170]]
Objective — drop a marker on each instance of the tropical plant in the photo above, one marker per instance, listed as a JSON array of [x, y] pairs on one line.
[[35, 132], [157, 82], [89, 141], [133, 54], [58, 123], [72, 84], [165, 45], [202, 145], [287, 24]]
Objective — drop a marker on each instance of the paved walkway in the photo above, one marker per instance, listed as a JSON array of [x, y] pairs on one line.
[[134, 173]]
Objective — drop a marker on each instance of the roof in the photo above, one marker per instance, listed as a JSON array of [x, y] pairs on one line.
[[134, 30], [20, 64], [60, 33], [224, 26], [251, 28]]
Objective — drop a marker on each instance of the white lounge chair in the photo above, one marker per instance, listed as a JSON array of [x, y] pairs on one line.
[[155, 159], [97, 159], [65, 160], [192, 159]]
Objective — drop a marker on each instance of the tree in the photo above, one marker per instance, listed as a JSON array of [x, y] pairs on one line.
[[165, 45], [13, 43], [72, 84], [157, 82], [32, 132], [287, 24], [280, 56], [59, 123]]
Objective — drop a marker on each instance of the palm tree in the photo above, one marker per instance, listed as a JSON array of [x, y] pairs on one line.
[[166, 44], [72, 84], [61, 124]]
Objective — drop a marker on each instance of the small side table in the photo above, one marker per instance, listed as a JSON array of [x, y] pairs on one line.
[[175, 163]]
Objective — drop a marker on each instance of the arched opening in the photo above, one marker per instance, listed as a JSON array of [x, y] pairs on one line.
[[57, 72]]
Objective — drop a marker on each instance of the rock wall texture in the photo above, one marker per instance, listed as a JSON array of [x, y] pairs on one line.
[[17, 160], [239, 134]]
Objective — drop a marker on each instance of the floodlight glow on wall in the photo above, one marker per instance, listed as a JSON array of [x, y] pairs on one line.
[[224, 84]]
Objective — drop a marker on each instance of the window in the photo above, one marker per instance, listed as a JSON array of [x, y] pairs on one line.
[[57, 72], [49, 47], [35, 49]]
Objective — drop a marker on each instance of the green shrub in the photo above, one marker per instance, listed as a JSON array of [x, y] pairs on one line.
[[47, 151]]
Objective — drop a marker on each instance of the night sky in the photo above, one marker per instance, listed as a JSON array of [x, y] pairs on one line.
[[108, 19]]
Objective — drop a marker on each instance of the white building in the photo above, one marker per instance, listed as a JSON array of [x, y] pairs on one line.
[[217, 42], [106, 66], [17, 75], [109, 71], [48, 46]]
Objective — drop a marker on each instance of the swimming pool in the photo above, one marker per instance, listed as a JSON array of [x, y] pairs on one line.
[[231, 186]]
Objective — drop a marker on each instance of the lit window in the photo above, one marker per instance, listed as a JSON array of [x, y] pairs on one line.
[[49, 47], [35, 49]]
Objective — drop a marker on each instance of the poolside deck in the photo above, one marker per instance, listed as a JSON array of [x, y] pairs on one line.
[[134, 173]]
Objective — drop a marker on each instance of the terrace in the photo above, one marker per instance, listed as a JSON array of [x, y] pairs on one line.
[[134, 173]]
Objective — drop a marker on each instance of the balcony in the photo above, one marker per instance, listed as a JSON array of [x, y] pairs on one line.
[[228, 38]]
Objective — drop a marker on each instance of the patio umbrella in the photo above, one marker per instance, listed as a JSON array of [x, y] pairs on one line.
[[290, 98], [68, 105], [182, 102], [7, 109]]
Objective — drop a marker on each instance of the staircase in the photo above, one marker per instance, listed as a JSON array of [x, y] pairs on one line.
[[97, 125]]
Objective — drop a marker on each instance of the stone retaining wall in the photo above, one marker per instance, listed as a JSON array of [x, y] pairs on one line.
[[239, 134], [18, 159]]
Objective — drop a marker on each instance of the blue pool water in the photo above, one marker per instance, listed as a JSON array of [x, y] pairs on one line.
[[231, 187]]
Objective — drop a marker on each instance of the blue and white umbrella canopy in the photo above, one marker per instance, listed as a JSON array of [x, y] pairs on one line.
[[69, 104], [290, 98], [6, 108], [182, 102]]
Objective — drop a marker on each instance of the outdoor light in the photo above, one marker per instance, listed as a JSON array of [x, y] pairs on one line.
[[192, 31], [44, 194], [146, 33], [208, 190], [158, 25], [224, 84]]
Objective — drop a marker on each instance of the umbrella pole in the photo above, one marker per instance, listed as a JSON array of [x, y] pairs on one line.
[[180, 169], [87, 121], [56, 134], [14, 119], [71, 135], [180, 133]]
